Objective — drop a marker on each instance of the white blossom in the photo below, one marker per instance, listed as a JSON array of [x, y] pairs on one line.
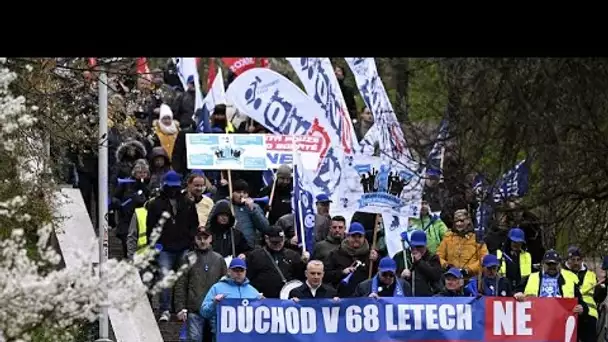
[[35, 292]]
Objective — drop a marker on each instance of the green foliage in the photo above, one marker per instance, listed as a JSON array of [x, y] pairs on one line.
[[427, 93]]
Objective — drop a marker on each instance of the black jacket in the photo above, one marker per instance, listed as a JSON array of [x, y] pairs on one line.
[[179, 230], [365, 288], [338, 260], [222, 240], [281, 202], [128, 196], [303, 292], [264, 276], [427, 274], [125, 162]]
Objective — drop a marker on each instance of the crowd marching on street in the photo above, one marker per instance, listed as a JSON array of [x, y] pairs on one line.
[[242, 230]]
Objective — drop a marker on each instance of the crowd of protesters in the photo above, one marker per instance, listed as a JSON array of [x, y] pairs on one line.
[[246, 245]]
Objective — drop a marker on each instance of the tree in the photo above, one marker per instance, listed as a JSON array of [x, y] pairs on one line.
[[41, 300]]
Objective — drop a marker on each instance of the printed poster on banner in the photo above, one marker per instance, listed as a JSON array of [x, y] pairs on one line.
[[397, 319], [226, 151], [243, 152], [379, 185], [279, 150]]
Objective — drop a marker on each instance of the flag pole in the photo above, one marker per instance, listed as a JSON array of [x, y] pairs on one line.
[[102, 203]]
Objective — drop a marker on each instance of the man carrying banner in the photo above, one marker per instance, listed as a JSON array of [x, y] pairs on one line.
[[424, 271], [313, 287], [349, 264], [273, 265], [234, 285], [587, 282], [553, 282], [492, 284], [385, 283], [454, 284]]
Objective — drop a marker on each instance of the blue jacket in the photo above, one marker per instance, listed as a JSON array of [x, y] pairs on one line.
[[230, 289]]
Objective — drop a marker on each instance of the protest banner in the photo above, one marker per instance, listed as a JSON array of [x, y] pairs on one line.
[[250, 151], [397, 319]]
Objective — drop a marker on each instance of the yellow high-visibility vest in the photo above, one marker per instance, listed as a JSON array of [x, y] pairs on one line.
[[525, 263], [142, 228], [533, 286], [230, 128], [587, 290]]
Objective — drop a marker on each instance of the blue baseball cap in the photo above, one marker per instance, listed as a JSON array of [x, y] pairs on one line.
[[238, 263], [323, 198], [454, 272], [418, 238], [356, 228], [517, 235], [190, 79], [490, 260], [172, 178], [387, 264], [574, 251]]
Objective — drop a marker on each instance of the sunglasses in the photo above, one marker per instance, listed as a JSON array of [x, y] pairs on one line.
[[238, 270], [388, 275]]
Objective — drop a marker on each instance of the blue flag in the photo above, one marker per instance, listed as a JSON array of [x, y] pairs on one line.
[[303, 211], [514, 183], [436, 155]]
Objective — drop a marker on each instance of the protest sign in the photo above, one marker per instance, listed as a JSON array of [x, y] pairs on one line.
[[250, 151], [397, 319]]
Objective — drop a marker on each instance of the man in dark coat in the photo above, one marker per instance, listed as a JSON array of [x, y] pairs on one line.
[[313, 287], [385, 283], [178, 232], [271, 266]]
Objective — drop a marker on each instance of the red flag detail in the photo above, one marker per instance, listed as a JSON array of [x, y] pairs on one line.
[[239, 65], [211, 74]]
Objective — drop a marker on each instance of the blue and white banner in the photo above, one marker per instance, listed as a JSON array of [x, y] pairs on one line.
[[381, 186], [215, 96], [320, 82], [386, 131], [187, 67], [435, 157], [430, 319], [514, 183], [279, 105]]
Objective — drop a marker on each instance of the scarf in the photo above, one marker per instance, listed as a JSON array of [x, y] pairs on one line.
[[359, 252], [168, 130], [398, 292]]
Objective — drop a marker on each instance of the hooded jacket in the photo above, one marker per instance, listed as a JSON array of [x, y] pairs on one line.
[[165, 140], [222, 240], [124, 163], [230, 289], [156, 174], [434, 228], [249, 222]]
